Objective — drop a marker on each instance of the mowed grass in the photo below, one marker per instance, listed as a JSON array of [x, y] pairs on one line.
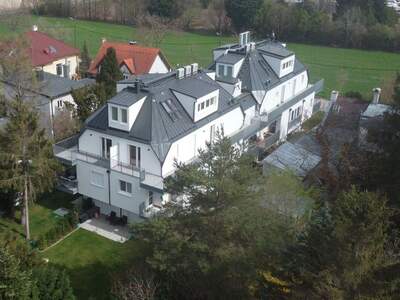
[[343, 69], [92, 261], [41, 213]]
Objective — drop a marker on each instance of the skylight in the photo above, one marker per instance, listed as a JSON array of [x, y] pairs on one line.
[[171, 110]]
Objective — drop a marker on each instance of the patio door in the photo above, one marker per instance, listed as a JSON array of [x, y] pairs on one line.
[[135, 156], [106, 145]]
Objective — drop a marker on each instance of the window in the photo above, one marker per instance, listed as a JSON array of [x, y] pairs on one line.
[[208, 103], [106, 144], [151, 195], [59, 103], [97, 179], [124, 116], [134, 156], [198, 107], [221, 70], [125, 187], [283, 93], [202, 105], [229, 71], [212, 101], [59, 68], [114, 113]]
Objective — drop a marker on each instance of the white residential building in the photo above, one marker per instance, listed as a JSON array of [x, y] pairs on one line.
[[129, 146]]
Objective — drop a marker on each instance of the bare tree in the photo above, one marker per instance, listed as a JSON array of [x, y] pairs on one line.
[[152, 30], [217, 15], [64, 124], [135, 286]]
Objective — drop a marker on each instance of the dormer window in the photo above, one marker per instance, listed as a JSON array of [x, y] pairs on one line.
[[119, 114], [225, 70]]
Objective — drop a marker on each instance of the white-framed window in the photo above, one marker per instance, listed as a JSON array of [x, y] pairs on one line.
[[124, 115], [221, 70], [114, 113], [134, 156], [151, 198], [125, 187], [97, 179], [106, 145], [60, 103], [229, 71], [212, 133], [59, 69]]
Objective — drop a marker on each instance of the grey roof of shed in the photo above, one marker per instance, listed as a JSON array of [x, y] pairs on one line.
[[293, 157], [154, 126], [127, 97]]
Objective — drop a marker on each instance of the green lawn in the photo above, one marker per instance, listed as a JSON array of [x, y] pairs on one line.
[[92, 260], [342, 69], [42, 217]]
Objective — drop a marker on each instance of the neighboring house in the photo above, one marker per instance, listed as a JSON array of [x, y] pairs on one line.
[[130, 145], [51, 55], [49, 95], [395, 4], [132, 59]]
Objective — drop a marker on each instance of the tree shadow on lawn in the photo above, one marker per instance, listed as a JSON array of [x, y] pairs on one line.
[[55, 200], [94, 281]]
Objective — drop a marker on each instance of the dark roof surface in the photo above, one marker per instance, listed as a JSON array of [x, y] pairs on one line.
[[229, 58], [127, 97], [54, 86], [154, 125]]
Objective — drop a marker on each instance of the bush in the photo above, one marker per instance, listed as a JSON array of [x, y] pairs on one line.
[[355, 95]]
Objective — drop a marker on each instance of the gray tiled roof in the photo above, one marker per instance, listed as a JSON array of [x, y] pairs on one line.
[[54, 86], [127, 97], [154, 125], [229, 58], [274, 48]]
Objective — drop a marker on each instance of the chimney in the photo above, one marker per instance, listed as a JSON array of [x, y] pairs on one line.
[[376, 95], [138, 86], [188, 71], [180, 73], [35, 28], [103, 40], [195, 68], [39, 75], [334, 96]]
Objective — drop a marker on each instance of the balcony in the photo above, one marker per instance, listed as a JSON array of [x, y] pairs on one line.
[[68, 185], [65, 150], [148, 211], [295, 123]]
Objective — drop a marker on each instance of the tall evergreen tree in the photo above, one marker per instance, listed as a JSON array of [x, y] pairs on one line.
[[27, 164], [109, 73], [85, 61]]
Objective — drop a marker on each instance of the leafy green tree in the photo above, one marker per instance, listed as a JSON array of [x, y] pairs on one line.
[[346, 253], [213, 245], [52, 283], [27, 163], [85, 61], [88, 100], [15, 282], [242, 12], [109, 73]]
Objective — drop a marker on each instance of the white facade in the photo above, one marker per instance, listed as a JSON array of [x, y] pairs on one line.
[[158, 66], [56, 66]]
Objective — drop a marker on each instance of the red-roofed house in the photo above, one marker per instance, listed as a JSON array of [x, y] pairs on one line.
[[52, 55], [132, 59]]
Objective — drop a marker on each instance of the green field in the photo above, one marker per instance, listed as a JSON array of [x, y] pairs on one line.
[[92, 261], [342, 69]]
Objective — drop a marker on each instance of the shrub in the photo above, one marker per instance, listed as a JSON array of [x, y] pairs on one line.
[[355, 95]]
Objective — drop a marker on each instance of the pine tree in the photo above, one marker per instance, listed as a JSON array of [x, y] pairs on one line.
[[52, 283], [27, 164], [109, 73], [85, 61]]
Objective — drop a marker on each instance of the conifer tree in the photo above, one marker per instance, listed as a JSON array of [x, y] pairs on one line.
[[109, 73], [85, 61], [27, 164]]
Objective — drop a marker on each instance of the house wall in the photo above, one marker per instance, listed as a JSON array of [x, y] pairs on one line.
[[73, 63], [65, 99], [158, 66], [90, 141], [198, 115], [132, 111], [293, 86], [186, 148]]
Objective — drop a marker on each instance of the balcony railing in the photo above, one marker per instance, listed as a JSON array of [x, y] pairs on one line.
[[68, 185], [92, 159], [294, 123]]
